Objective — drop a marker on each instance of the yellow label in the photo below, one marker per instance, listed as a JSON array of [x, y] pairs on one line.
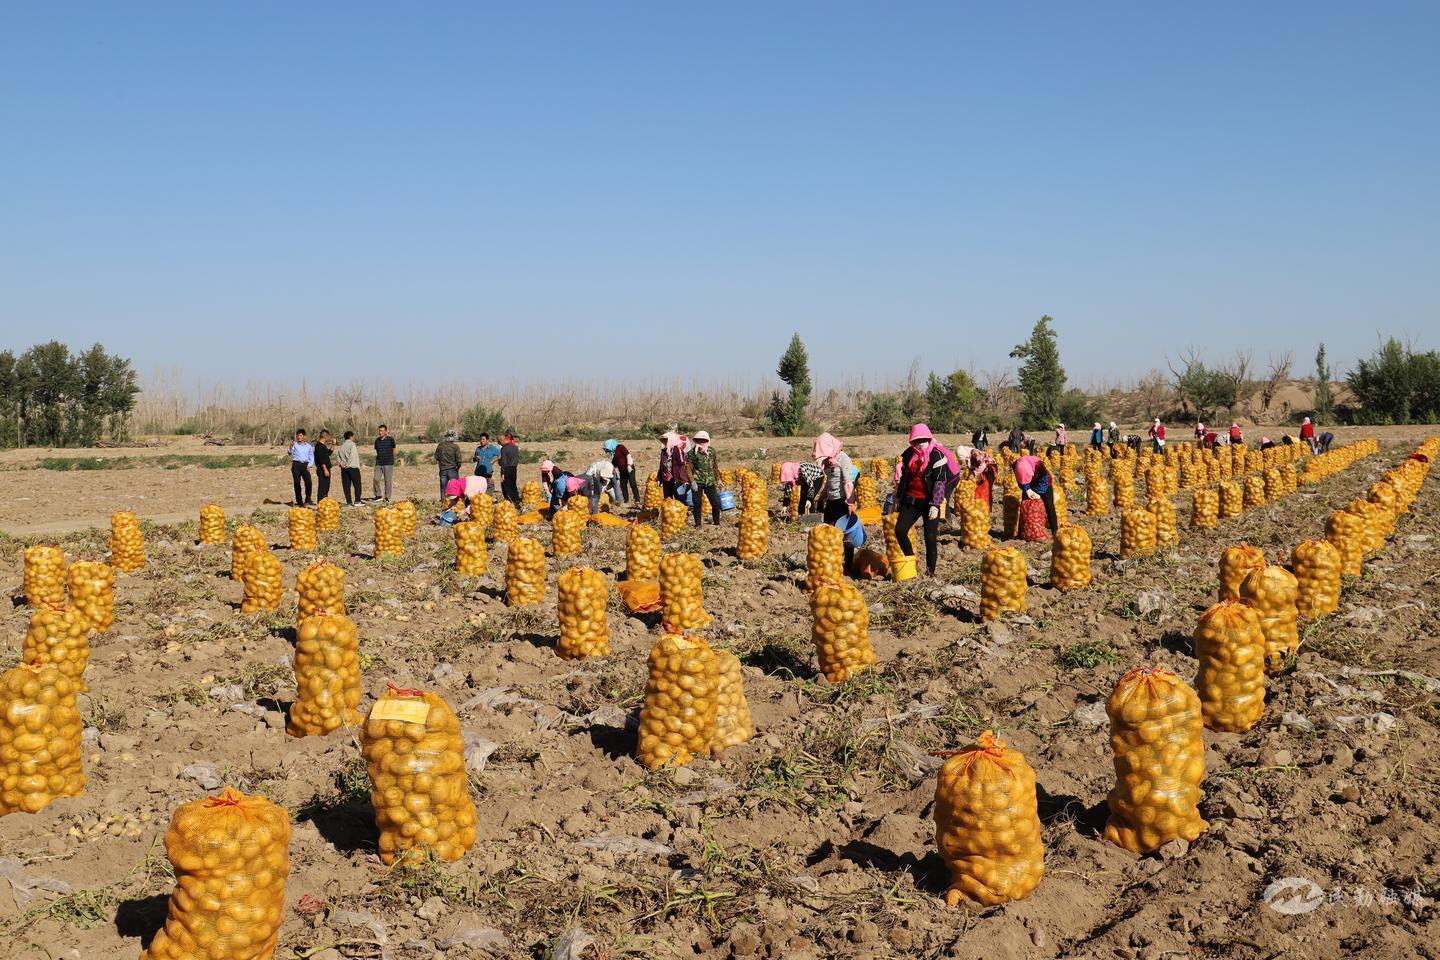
[[406, 711]]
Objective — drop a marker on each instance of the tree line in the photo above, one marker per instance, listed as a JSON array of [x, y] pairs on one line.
[[1396, 385], [51, 397]]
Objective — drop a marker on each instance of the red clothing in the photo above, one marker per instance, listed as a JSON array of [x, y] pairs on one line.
[[915, 478], [1158, 432], [1234, 434], [1307, 431]]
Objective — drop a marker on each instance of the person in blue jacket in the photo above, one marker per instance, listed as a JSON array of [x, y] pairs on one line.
[[486, 453]]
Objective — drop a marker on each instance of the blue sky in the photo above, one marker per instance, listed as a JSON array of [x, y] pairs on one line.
[[624, 190]]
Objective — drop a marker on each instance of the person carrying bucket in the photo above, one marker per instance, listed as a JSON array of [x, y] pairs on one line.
[[924, 475]]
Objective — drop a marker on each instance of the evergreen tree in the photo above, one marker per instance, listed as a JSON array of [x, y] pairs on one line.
[[1042, 379], [1324, 402], [787, 416]]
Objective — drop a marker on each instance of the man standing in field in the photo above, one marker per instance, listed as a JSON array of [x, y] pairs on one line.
[[302, 458], [384, 463], [509, 469], [447, 459], [322, 465]]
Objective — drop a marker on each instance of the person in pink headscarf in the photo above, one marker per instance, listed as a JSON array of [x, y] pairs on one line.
[[924, 475], [673, 470]]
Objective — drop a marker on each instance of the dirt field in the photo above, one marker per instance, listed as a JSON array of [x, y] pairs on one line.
[[813, 840]]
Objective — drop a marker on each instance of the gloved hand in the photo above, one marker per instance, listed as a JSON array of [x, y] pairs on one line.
[[1031, 495], [934, 513]]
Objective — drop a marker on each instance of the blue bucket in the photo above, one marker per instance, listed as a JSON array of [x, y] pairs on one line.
[[727, 500]]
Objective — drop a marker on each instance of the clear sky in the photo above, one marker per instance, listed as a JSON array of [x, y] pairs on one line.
[[613, 189]]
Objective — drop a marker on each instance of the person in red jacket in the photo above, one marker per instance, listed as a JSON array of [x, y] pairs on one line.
[[1307, 434], [1235, 436], [1157, 435]]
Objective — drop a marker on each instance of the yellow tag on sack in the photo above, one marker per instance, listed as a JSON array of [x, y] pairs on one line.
[[406, 711]]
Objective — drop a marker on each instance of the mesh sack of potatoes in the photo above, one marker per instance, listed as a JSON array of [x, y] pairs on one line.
[[92, 593], [1317, 575], [301, 524], [327, 676], [532, 496], [524, 572], [127, 542], [974, 524], [264, 583], [59, 638], [824, 556], [327, 515], [212, 523], [1273, 592], [1236, 562], [40, 744], [1230, 679], [482, 509], [1167, 527], [682, 592], [409, 518], [1346, 533], [642, 553], [754, 535], [389, 532], [1155, 738], [584, 625], [471, 555], [1002, 583], [733, 725], [1097, 495], [505, 522], [987, 824], [419, 785], [565, 531], [677, 721], [1205, 508], [321, 587], [672, 519], [1070, 558], [1137, 533], [841, 631], [44, 576], [231, 856], [244, 541]]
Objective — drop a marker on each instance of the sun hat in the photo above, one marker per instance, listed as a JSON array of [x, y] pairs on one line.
[[920, 432], [702, 437]]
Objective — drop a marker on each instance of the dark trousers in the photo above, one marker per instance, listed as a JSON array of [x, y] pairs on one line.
[[807, 491], [834, 510], [911, 510], [509, 488], [300, 473], [350, 483], [446, 475], [1047, 497], [668, 488], [624, 480], [322, 482], [698, 496]]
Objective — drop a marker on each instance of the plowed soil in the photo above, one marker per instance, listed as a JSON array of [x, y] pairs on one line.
[[814, 839]]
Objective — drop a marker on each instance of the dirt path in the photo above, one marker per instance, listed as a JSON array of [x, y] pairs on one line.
[[812, 841]]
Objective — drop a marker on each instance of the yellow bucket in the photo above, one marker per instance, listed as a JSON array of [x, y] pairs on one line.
[[904, 569]]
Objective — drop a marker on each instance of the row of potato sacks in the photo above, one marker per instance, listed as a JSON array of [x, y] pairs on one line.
[[987, 825]]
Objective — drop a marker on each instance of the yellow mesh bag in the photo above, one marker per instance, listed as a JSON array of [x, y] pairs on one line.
[[92, 594], [59, 638], [212, 523], [524, 572], [1231, 677], [677, 722], [841, 631], [584, 626], [419, 786], [127, 542], [327, 676], [39, 739], [682, 592], [231, 856], [732, 712], [1159, 756], [321, 587], [244, 541], [471, 556], [987, 824], [642, 553], [45, 576]]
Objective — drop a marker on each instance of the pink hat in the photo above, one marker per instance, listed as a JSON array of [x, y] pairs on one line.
[[920, 432], [547, 466], [455, 488]]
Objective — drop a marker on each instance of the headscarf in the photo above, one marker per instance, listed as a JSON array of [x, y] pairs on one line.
[[789, 472], [547, 468], [610, 445], [1025, 468], [455, 488], [827, 448], [669, 439]]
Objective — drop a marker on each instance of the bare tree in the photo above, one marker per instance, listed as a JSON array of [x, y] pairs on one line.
[[1237, 372], [1277, 373]]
